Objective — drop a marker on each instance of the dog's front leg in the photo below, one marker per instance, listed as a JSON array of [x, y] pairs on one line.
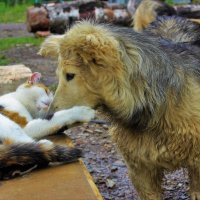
[[194, 174], [147, 182]]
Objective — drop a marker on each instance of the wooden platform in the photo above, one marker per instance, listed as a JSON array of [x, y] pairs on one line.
[[65, 182]]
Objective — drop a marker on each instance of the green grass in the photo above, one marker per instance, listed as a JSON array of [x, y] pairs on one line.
[[7, 43], [4, 60], [15, 14], [170, 2]]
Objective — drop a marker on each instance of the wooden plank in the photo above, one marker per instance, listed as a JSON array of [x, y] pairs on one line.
[[63, 182]]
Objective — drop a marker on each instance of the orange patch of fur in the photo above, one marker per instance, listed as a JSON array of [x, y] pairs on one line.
[[28, 85], [14, 116], [8, 141]]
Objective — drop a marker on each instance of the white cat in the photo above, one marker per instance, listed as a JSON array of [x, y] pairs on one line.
[[21, 122]]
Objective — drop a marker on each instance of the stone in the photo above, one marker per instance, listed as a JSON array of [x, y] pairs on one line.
[[12, 76], [110, 183], [37, 19]]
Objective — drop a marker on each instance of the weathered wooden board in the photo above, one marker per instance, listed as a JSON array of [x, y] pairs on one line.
[[64, 182]]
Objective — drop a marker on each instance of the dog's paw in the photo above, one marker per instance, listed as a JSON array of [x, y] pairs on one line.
[[82, 113], [195, 195]]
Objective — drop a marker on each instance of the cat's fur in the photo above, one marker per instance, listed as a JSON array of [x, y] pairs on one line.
[[20, 113]]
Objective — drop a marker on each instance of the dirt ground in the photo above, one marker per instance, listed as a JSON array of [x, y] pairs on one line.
[[100, 154]]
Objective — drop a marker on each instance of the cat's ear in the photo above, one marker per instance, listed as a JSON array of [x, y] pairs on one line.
[[35, 78]]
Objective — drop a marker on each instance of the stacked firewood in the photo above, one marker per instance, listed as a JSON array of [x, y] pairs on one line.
[[189, 11], [57, 17]]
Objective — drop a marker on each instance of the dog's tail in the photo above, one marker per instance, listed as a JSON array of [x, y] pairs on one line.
[[36, 153]]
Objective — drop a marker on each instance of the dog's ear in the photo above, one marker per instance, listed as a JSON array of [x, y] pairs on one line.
[[97, 48], [93, 40], [50, 47]]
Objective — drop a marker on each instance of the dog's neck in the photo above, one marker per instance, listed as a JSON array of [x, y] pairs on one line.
[[122, 110]]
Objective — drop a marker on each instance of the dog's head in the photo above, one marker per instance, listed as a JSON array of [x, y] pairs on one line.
[[89, 66]]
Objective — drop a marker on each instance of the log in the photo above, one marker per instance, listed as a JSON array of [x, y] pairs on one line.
[[62, 15], [12, 76], [37, 19], [132, 6], [39, 34], [189, 11]]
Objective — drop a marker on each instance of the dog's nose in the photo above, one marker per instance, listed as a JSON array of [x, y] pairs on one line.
[[50, 112]]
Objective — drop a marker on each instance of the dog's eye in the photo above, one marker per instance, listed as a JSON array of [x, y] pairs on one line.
[[69, 76]]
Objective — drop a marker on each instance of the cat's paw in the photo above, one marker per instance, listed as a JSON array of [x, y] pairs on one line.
[[82, 113], [73, 115]]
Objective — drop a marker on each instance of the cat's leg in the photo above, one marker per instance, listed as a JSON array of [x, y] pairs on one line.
[[194, 174], [41, 127], [10, 132]]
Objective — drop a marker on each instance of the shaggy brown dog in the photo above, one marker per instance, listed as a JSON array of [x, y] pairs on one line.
[[150, 90], [176, 29], [147, 12]]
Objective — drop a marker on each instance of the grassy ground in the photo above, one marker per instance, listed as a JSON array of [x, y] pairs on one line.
[[4, 60], [170, 2], [15, 14], [7, 43]]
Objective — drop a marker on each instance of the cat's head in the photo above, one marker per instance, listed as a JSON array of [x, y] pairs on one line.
[[36, 93]]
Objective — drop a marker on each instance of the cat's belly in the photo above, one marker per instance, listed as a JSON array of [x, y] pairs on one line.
[[9, 130]]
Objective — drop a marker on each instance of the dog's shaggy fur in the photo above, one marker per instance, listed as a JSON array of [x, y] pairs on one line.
[[176, 29], [151, 91], [148, 11]]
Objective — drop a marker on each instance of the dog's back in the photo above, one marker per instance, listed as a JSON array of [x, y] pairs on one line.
[[175, 29]]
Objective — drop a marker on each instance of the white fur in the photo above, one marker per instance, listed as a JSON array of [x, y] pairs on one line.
[[34, 99], [39, 127], [31, 103], [11, 130], [11, 103]]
